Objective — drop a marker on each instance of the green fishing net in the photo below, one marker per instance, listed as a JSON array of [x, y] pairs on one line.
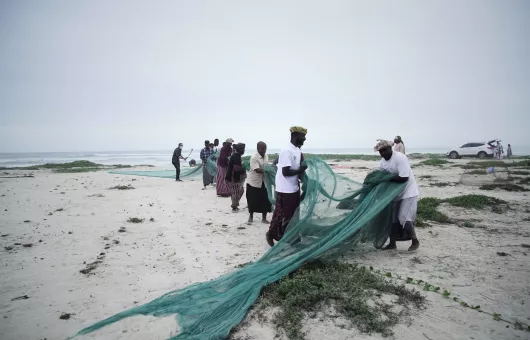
[[334, 215], [185, 172]]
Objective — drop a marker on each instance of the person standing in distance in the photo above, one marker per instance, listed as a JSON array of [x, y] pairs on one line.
[[177, 156]]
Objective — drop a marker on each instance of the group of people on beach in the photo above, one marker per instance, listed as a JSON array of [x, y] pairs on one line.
[[232, 176], [498, 149]]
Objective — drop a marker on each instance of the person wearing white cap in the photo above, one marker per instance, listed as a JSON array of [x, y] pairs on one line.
[[223, 190], [405, 205]]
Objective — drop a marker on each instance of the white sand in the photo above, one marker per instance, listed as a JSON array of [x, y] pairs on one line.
[[195, 237]]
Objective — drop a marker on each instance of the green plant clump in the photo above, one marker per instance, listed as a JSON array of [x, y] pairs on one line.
[[352, 290], [427, 211], [525, 181], [503, 186], [434, 162], [468, 224], [427, 207], [494, 163], [474, 201], [520, 172], [122, 187], [440, 184]]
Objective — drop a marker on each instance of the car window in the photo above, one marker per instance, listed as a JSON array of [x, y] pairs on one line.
[[466, 145]]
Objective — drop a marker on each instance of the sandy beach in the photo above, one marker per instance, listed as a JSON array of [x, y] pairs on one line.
[[69, 257]]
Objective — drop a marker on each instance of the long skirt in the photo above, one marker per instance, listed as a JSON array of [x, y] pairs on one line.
[[284, 210], [222, 186], [258, 199], [403, 219], [236, 192], [207, 179]]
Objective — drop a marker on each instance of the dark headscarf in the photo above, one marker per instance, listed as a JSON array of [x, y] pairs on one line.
[[226, 152], [399, 140]]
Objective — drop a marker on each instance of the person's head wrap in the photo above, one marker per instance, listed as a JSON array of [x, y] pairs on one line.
[[298, 129], [230, 140], [381, 144]]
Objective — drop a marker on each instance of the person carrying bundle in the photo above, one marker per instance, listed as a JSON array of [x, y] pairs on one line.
[[405, 205]]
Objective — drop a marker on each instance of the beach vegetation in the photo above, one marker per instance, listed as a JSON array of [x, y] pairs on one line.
[[497, 164], [503, 186], [69, 167], [525, 180], [433, 162], [135, 220], [428, 207], [353, 291], [122, 187], [441, 184]]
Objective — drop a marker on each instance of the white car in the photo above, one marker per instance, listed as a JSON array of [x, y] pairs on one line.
[[480, 150]]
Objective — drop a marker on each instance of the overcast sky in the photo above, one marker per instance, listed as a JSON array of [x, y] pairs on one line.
[[142, 75]]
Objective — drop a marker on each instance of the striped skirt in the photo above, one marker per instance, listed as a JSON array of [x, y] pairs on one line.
[[222, 186]]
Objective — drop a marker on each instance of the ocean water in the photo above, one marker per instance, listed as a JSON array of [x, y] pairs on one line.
[[162, 158]]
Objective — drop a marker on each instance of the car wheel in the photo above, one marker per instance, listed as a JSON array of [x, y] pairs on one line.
[[482, 155], [453, 155]]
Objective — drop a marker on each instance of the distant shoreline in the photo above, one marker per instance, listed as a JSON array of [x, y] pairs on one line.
[[86, 166], [163, 158]]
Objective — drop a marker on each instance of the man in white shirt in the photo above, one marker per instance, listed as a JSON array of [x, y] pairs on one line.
[[287, 184], [405, 205], [257, 196]]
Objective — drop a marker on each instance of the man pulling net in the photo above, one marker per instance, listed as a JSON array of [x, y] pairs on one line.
[[290, 170], [405, 205]]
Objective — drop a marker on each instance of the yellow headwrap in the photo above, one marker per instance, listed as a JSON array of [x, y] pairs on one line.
[[299, 129]]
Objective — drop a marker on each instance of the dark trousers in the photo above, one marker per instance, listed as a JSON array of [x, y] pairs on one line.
[[177, 168], [284, 210]]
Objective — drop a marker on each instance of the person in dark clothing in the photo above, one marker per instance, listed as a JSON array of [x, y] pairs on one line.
[[177, 156], [193, 163], [223, 190], [235, 176], [205, 154], [257, 196]]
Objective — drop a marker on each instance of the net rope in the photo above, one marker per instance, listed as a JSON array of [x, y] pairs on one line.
[[334, 215]]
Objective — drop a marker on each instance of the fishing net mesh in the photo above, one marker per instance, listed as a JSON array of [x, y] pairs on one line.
[[335, 214], [494, 172]]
